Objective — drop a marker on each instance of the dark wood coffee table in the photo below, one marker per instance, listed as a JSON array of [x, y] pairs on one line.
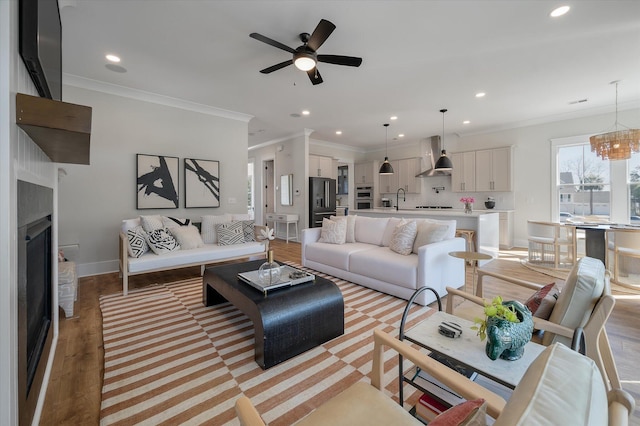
[[287, 321]]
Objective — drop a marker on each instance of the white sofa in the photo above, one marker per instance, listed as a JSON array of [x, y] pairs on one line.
[[210, 252], [371, 263]]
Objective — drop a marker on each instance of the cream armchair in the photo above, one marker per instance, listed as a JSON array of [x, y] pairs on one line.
[[578, 318], [560, 387]]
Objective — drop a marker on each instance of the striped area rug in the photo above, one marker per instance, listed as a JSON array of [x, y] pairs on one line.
[[170, 360]]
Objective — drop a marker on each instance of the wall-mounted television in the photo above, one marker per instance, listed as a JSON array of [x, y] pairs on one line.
[[40, 45]]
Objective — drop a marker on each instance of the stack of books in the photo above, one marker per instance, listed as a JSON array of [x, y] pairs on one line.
[[438, 397]]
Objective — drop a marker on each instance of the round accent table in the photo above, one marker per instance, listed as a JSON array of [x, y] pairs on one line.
[[473, 257]]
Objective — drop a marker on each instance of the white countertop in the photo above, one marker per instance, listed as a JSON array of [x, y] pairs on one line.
[[391, 211]]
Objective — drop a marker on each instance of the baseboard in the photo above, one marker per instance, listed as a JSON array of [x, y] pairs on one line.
[[98, 268]]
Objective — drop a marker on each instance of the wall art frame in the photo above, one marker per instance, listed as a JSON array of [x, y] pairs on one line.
[[157, 182], [201, 183]]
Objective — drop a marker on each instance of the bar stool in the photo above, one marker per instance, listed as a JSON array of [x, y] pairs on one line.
[[469, 235]]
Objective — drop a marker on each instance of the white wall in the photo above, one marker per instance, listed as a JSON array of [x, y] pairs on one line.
[[20, 159], [94, 199]]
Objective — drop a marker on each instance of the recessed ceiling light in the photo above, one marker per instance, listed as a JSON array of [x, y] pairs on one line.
[[112, 58], [401, 135], [393, 117], [559, 11], [466, 122], [480, 95], [338, 132], [305, 112]]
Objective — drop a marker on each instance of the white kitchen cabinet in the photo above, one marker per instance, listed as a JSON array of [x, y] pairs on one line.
[[493, 169], [506, 229], [389, 183], [408, 169], [463, 175], [363, 173], [320, 166]]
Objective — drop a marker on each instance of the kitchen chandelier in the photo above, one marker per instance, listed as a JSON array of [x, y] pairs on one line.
[[443, 163], [618, 144], [385, 168]]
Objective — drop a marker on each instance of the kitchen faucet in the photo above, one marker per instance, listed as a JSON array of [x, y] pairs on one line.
[[404, 198]]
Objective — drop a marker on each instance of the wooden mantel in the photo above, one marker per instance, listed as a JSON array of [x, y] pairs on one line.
[[62, 130]]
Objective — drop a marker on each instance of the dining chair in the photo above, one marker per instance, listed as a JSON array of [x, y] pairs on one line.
[[623, 256], [551, 244]]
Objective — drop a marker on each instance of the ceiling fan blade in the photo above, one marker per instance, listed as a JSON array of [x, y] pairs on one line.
[[272, 42], [276, 67], [314, 76], [320, 34], [350, 61]]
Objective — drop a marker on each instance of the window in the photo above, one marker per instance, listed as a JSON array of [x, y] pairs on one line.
[[250, 189], [583, 182]]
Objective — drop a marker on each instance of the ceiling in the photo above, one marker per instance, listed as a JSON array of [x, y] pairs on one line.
[[418, 57]]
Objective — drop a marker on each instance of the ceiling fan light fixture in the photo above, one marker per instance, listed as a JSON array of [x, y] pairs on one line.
[[304, 61]]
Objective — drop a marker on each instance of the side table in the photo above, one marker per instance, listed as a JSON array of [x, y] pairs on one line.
[[473, 257]]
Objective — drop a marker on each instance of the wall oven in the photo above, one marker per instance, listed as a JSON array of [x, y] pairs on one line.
[[364, 197]]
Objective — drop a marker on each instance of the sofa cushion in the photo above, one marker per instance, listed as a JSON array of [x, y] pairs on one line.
[[333, 231], [579, 295], [230, 233], [187, 236], [382, 264], [403, 236], [249, 230], [208, 227], [151, 222], [350, 236], [130, 224], [241, 216], [172, 222], [541, 302], [370, 229], [137, 243], [334, 255], [560, 387], [468, 413], [388, 231], [429, 232], [161, 241]]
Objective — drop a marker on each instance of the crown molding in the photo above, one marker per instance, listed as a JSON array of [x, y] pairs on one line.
[[141, 95]]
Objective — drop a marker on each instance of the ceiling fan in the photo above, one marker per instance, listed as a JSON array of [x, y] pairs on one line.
[[305, 57]]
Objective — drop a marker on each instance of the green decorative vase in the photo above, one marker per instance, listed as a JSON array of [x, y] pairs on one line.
[[506, 339]]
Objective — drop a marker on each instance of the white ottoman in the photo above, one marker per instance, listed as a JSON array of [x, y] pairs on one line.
[[67, 287]]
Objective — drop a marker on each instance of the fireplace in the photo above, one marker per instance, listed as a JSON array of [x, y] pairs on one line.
[[35, 255]]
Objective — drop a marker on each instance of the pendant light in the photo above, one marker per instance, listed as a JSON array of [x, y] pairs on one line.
[[385, 168], [443, 163]]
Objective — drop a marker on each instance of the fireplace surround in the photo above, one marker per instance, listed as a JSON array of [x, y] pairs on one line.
[[35, 304]]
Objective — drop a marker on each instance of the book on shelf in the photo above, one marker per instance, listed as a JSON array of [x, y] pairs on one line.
[[428, 407]]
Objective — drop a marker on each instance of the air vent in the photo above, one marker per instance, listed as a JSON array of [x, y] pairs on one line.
[[579, 101]]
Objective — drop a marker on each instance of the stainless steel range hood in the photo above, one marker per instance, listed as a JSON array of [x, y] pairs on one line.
[[431, 148]]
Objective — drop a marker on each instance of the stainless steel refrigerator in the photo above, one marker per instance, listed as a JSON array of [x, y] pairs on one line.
[[322, 200]]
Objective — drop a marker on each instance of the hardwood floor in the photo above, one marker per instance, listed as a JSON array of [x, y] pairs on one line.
[[73, 395]]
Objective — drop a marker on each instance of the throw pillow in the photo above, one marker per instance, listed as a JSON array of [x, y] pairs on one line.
[[161, 241], [187, 236], [208, 227], [350, 236], [469, 413], [403, 236], [151, 223], [428, 233], [172, 222], [137, 244], [541, 303], [249, 230], [229, 233], [333, 231]]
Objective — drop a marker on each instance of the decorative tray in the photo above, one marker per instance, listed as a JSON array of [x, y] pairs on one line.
[[289, 276]]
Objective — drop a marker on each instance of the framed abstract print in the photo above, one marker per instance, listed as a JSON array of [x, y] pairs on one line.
[[157, 182], [201, 183]]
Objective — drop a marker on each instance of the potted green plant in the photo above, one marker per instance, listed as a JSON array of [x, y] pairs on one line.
[[507, 326]]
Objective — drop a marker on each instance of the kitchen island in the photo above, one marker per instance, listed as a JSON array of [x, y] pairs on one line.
[[486, 224]]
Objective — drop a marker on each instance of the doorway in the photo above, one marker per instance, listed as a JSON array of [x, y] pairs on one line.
[[268, 194]]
